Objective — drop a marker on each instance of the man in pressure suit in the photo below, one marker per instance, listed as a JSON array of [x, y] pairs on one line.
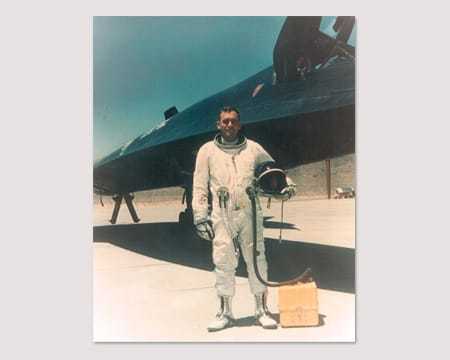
[[225, 167]]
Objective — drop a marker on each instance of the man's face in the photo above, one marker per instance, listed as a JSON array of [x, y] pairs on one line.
[[229, 125]]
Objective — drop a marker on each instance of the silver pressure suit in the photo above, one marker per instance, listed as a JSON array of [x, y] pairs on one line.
[[229, 169]]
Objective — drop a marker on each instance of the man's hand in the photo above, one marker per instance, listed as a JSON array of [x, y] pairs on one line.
[[205, 230], [287, 192]]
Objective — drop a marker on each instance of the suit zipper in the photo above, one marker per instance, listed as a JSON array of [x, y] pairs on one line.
[[233, 194], [234, 164]]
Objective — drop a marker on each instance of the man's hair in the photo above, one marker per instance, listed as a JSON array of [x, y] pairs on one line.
[[227, 109]]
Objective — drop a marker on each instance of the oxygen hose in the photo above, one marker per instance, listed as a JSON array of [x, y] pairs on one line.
[[303, 277]]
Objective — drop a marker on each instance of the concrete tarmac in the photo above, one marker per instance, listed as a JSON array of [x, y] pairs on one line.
[[153, 281]]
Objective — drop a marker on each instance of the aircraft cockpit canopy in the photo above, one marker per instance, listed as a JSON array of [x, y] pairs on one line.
[[308, 43]]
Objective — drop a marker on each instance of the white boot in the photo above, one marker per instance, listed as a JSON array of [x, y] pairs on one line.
[[262, 313], [224, 317]]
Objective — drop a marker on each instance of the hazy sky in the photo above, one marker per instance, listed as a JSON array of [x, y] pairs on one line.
[[144, 65]]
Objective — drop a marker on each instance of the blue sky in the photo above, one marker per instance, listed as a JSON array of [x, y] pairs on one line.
[[144, 65]]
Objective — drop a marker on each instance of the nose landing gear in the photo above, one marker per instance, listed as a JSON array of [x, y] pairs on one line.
[[186, 217]]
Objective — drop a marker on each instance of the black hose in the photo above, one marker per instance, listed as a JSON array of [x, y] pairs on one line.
[[304, 277]]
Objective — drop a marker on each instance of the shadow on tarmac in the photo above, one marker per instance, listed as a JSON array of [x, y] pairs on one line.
[[278, 225], [250, 320], [333, 267]]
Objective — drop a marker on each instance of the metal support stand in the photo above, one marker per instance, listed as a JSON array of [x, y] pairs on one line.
[[129, 201], [118, 201], [328, 175]]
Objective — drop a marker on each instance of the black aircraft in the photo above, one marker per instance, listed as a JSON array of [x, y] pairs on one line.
[[301, 109]]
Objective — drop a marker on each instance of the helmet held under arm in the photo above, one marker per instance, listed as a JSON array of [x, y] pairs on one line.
[[270, 180]]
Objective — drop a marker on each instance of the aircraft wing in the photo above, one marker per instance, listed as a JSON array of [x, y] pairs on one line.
[[290, 116]]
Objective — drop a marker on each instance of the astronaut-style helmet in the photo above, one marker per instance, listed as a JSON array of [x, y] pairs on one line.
[[270, 180]]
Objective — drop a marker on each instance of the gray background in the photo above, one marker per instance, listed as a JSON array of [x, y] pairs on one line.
[[402, 203]]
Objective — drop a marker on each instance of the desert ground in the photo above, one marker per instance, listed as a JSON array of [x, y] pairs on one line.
[[153, 280]]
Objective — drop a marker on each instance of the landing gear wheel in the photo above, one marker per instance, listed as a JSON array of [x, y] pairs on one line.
[[186, 218], [182, 218]]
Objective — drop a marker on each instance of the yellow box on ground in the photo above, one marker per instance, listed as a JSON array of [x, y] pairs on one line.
[[298, 305]]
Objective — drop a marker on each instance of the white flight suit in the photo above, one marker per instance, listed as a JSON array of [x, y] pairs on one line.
[[233, 167]]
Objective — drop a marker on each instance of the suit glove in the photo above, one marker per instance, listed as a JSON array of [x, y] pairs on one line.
[[205, 230]]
